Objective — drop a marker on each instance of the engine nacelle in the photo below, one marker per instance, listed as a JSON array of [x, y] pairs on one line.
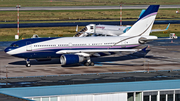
[[69, 59], [145, 39], [141, 40]]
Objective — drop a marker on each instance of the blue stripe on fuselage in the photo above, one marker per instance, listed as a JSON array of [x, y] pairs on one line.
[[22, 43]]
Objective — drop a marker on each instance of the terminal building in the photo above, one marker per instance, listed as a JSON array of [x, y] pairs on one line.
[[117, 86]]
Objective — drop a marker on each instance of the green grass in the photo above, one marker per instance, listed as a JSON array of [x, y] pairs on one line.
[[63, 21], [31, 3], [8, 34], [158, 34], [79, 15]]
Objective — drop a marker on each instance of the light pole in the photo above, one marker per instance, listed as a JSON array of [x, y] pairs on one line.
[[17, 36], [1, 72], [120, 14]]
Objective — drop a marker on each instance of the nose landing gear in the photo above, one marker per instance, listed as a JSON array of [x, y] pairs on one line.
[[28, 63]]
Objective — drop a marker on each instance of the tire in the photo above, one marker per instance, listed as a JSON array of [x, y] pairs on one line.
[[86, 64], [92, 63], [28, 65]]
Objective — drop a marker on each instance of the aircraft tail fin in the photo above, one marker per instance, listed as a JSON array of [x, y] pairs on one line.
[[167, 26], [144, 24], [142, 12]]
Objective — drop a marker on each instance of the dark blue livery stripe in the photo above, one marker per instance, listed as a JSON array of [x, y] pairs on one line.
[[151, 9]]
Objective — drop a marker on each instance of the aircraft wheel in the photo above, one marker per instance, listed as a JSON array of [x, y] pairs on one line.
[[92, 63], [28, 65], [86, 64]]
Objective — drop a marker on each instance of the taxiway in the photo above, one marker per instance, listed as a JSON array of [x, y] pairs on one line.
[[159, 58]]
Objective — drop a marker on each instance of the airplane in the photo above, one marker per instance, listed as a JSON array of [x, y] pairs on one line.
[[73, 50], [108, 30]]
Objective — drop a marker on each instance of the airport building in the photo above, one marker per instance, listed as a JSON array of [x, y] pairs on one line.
[[134, 86]]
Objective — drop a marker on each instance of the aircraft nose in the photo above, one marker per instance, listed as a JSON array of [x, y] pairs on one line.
[[7, 49]]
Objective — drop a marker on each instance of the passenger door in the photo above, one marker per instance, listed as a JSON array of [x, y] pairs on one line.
[[28, 46], [70, 45]]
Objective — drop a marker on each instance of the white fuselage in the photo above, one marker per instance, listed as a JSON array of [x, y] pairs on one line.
[[77, 43]]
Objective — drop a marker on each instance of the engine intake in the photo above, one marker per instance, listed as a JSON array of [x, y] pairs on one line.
[[141, 40], [145, 39], [69, 59]]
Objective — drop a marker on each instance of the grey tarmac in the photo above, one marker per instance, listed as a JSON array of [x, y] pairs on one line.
[[159, 58]]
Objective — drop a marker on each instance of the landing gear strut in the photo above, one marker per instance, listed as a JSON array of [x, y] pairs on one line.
[[89, 63], [28, 63]]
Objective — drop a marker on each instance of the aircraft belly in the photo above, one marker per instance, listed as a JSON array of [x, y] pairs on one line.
[[33, 55]]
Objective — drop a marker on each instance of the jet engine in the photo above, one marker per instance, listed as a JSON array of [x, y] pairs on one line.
[[69, 59], [145, 39], [141, 40]]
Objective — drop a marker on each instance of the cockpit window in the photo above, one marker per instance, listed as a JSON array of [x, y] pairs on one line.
[[14, 45]]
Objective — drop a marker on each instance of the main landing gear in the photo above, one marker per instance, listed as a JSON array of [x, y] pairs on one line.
[[88, 62], [28, 63]]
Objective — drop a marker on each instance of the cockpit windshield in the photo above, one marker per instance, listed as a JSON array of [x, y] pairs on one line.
[[14, 45]]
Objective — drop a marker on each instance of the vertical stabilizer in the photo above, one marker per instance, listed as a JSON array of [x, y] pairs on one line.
[[142, 12], [144, 24]]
